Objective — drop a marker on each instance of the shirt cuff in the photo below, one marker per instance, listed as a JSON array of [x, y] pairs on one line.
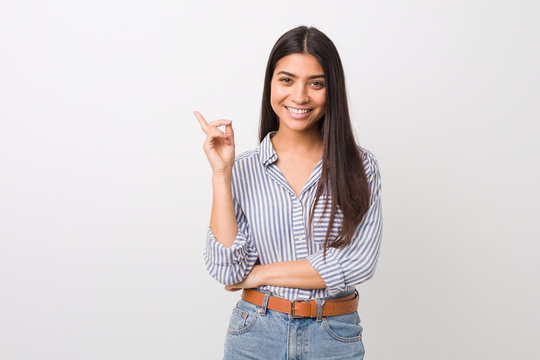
[[219, 254], [330, 271]]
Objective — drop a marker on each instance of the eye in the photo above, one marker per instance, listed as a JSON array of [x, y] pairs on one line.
[[285, 80], [318, 83]]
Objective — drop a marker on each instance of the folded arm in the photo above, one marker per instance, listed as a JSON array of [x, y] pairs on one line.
[[344, 267], [229, 255]]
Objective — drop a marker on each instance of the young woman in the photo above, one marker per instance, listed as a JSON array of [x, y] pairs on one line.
[[296, 222]]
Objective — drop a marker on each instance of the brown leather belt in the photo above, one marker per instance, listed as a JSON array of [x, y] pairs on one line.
[[304, 308]]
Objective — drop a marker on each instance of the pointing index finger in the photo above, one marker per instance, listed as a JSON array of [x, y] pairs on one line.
[[202, 122]]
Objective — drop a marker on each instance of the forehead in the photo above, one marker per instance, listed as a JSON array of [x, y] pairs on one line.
[[301, 65]]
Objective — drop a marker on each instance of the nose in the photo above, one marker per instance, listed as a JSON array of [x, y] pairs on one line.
[[300, 94]]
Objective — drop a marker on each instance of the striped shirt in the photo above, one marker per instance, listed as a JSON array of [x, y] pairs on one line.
[[272, 222]]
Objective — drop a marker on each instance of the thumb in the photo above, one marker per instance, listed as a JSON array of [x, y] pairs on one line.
[[229, 129]]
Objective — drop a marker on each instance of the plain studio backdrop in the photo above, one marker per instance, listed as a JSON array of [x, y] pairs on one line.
[[105, 190]]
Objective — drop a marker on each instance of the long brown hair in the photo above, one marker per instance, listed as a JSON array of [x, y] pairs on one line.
[[342, 173]]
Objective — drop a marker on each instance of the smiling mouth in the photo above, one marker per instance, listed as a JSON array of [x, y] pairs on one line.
[[298, 110]]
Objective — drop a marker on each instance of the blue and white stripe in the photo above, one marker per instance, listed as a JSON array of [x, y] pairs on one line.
[[272, 224]]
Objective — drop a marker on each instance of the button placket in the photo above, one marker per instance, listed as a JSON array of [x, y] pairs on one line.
[[299, 229]]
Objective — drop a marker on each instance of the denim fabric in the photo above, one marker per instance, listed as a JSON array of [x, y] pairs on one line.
[[256, 332]]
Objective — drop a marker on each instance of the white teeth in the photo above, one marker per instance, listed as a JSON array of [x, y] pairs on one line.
[[298, 111]]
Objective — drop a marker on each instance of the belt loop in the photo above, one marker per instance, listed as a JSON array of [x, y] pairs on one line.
[[265, 303], [320, 303]]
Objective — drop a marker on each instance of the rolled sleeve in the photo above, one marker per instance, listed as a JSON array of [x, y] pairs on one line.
[[230, 265], [330, 270], [219, 254], [356, 262]]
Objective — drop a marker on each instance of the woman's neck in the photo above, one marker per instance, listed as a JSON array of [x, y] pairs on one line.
[[298, 143]]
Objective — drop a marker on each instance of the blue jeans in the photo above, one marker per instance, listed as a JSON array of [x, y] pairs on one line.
[[256, 332]]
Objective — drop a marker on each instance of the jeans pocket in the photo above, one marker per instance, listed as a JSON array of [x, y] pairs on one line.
[[344, 328], [243, 317]]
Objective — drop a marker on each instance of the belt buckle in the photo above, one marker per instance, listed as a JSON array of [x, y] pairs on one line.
[[292, 308]]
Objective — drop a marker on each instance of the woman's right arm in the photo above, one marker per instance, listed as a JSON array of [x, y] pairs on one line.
[[229, 255], [223, 221]]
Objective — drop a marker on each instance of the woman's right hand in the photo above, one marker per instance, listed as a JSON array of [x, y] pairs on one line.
[[219, 145]]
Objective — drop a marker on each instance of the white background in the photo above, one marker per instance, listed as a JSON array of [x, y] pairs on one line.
[[105, 191]]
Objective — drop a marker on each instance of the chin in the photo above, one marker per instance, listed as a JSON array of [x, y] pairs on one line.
[[297, 127]]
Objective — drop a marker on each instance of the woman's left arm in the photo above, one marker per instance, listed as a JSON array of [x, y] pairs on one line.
[[343, 267], [294, 274]]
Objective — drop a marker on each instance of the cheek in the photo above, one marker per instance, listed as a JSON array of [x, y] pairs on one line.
[[276, 97], [321, 101]]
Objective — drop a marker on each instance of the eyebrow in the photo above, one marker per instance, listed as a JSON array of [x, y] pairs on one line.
[[292, 75]]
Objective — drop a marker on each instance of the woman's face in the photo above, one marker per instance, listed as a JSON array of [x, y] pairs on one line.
[[298, 91]]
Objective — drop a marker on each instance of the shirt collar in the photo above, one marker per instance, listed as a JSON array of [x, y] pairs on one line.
[[267, 154]]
